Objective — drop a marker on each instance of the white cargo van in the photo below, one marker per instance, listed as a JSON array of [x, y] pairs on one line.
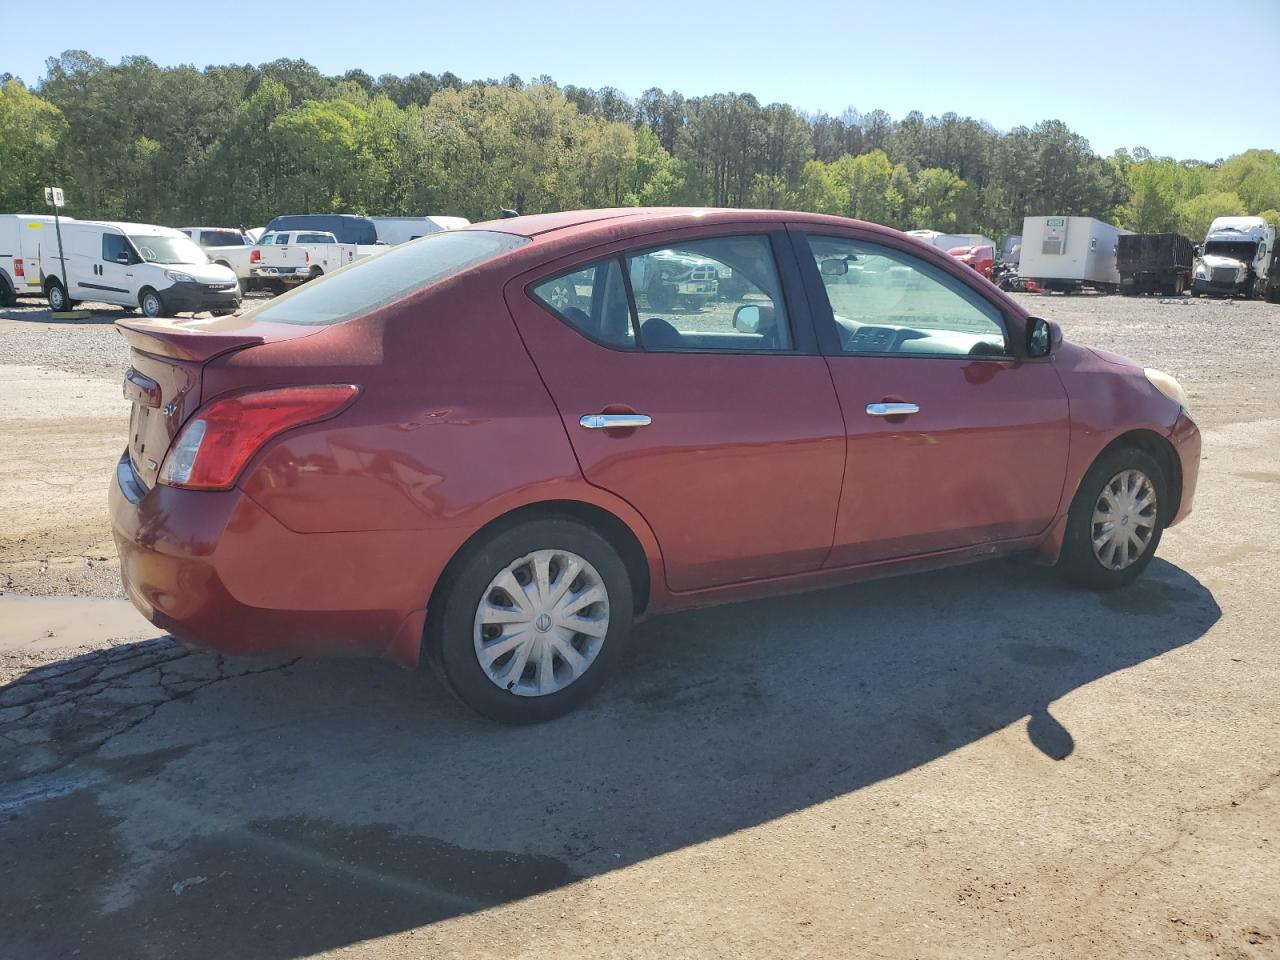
[[1070, 253], [21, 235], [158, 269]]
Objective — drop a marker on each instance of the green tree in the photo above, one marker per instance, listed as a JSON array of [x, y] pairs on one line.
[[1196, 213], [31, 130]]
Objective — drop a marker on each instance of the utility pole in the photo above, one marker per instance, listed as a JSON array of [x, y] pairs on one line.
[[54, 198]]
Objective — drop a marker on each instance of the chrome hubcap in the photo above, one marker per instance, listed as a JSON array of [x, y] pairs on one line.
[[541, 623], [1124, 519]]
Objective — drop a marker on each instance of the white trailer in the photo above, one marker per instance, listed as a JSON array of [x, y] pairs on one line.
[[949, 241], [21, 235], [395, 230], [1070, 253]]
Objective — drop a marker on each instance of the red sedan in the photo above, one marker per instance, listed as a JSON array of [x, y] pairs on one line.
[[494, 448]]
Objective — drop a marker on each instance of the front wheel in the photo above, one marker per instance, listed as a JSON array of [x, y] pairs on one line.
[[1115, 521], [531, 621], [57, 297], [152, 305]]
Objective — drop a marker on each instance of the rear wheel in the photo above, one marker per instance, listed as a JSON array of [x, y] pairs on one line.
[[7, 297], [1116, 520], [531, 621]]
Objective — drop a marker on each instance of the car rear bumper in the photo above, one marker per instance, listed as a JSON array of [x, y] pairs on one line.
[[1185, 437], [218, 572], [285, 274]]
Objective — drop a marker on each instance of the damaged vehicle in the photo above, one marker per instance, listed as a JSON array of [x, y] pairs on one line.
[[1235, 259]]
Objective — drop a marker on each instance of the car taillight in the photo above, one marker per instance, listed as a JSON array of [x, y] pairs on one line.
[[255, 256], [215, 444], [306, 257], [17, 267]]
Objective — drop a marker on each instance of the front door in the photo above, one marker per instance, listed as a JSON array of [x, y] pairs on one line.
[[733, 445], [116, 269], [953, 440]]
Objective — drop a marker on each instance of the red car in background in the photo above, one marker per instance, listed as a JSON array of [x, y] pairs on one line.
[[489, 450], [981, 257]]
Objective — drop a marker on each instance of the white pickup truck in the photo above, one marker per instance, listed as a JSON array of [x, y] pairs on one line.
[[290, 257]]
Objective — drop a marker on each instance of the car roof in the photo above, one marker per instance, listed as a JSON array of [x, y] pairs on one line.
[[620, 221]]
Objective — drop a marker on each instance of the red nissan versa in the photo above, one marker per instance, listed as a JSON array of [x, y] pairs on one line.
[[496, 447]]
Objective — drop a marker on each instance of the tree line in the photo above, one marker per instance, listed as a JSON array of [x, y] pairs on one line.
[[239, 144]]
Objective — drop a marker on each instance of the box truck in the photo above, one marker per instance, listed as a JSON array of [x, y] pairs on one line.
[[1154, 263], [21, 235], [1070, 253]]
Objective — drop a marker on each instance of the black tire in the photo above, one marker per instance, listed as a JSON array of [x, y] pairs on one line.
[[735, 288], [661, 295], [7, 297], [449, 642], [56, 294], [151, 304], [315, 274], [1077, 562]]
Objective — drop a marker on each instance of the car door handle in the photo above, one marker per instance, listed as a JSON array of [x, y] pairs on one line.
[[892, 409], [614, 421]]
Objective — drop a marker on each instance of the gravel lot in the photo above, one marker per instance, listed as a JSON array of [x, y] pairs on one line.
[[986, 764]]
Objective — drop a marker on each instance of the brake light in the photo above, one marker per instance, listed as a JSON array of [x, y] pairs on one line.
[[214, 446], [306, 257], [17, 267], [255, 256]]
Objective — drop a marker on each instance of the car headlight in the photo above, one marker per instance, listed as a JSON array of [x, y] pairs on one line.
[[177, 276], [1170, 387], [1202, 271]]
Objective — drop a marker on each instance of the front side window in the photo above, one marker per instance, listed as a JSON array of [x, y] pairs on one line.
[[716, 294], [115, 249], [593, 300], [888, 302]]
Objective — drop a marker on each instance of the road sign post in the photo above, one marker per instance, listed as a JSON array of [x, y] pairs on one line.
[[54, 198]]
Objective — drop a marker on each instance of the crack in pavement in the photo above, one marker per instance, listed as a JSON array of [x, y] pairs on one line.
[[71, 709]]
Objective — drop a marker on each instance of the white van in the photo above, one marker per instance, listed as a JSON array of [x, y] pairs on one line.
[[21, 235], [158, 269]]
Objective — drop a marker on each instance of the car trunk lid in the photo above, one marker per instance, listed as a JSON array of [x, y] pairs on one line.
[[167, 359]]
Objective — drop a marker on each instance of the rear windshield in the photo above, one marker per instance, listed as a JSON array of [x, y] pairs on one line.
[[386, 277], [221, 238]]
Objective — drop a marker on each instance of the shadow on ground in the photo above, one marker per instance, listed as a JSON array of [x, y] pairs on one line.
[[182, 805]]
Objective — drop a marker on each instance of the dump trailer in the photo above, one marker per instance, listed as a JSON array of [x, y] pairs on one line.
[[1070, 253], [1154, 263]]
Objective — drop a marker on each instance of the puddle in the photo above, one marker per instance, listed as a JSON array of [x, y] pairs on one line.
[[31, 624]]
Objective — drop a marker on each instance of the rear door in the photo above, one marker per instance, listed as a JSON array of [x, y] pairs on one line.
[[731, 443], [953, 440]]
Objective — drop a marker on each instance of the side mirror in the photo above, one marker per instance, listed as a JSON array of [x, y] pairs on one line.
[[1044, 337], [834, 267], [123, 257], [746, 319]]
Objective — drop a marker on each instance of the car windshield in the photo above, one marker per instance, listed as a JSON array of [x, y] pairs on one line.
[[383, 278], [1236, 249], [165, 249]]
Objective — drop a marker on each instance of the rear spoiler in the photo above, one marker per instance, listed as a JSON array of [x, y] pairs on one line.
[[183, 339]]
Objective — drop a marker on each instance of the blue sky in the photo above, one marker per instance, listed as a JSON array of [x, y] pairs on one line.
[[1186, 79]]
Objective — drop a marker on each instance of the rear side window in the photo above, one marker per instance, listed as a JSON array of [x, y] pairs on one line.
[[315, 238], [593, 300], [368, 284]]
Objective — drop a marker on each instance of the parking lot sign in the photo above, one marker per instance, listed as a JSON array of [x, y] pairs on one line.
[[53, 196]]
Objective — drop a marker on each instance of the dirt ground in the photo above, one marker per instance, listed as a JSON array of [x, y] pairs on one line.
[[973, 763]]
